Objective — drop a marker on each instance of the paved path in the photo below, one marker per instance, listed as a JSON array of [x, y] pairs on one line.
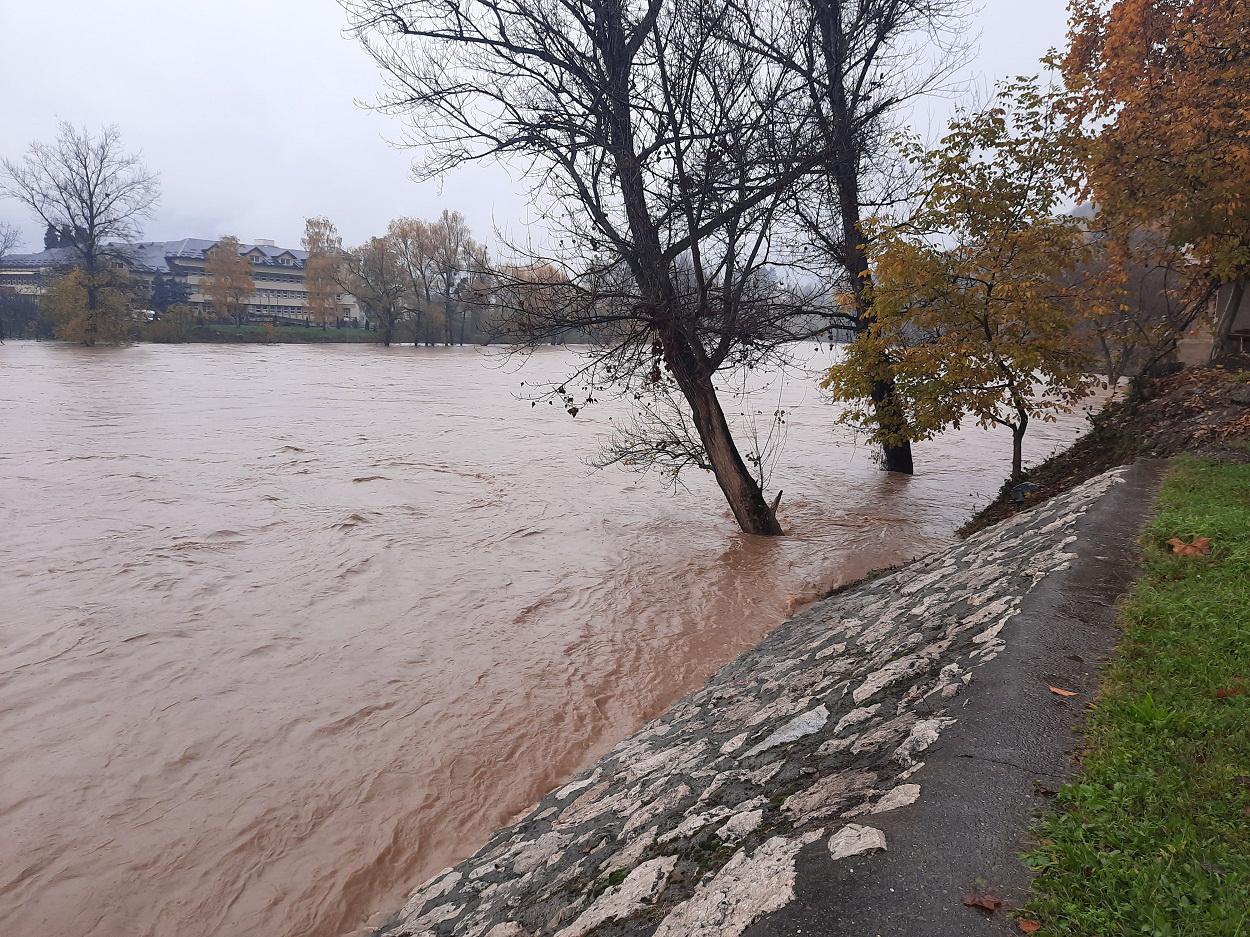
[[776, 799]]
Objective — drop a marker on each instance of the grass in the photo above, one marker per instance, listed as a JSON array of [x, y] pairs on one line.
[[280, 334], [1153, 837]]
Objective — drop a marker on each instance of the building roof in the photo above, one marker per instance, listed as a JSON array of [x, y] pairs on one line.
[[56, 257], [153, 256]]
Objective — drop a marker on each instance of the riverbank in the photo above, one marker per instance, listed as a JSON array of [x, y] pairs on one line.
[[1154, 835], [279, 334], [1196, 410], [794, 762]]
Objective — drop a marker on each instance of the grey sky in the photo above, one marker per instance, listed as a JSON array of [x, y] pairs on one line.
[[248, 110]]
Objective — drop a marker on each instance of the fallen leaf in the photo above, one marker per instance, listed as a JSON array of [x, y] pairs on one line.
[[1200, 546], [1229, 691], [1060, 691], [1028, 926], [983, 900]]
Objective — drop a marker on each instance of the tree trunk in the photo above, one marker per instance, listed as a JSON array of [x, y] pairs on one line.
[[1017, 454], [1017, 443], [745, 498], [416, 329], [652, 275], [844, 168], [1227, 318], [92, 328], [895, 456]]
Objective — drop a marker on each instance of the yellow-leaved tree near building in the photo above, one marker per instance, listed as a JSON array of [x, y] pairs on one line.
[[322, 270], [90, 316], [974, 318], [229, 282]]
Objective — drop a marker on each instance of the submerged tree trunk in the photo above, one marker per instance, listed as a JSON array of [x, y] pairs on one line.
[[844, 169], [652, 274], [746, 500], [895, 456]]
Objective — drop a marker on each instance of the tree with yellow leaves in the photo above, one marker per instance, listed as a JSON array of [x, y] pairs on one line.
[[1166, 86], [228, 281], [100, 315], [973, 319], [321, 270]]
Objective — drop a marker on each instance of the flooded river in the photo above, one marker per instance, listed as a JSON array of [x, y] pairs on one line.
[[284, 629]]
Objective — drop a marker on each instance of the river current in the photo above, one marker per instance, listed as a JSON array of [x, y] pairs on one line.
[[285, 629]]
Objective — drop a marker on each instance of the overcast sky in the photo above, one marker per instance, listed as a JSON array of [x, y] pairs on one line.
[[249, 110]]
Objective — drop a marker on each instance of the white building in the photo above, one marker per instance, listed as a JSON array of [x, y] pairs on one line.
[[278, 272]]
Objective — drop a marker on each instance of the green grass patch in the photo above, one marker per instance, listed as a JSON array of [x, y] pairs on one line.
[[1153, 837]]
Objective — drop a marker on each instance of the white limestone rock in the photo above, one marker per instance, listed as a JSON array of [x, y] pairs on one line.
[[693, 823], [894, 672], [661, 805], [855, 717], [741, 825], [805, 724], [829, 795], [639, 889], [854, 839], [744, 890], [628, 857], [530, 855], [902, 796], [923, 734], [574, 786]]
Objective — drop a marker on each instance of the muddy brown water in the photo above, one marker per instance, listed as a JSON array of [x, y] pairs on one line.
[[285, 629]]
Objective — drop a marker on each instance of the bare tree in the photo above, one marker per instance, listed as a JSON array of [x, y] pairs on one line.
[[453, 252], [860, 63], [374, 273], [651, 135], [94, 193], [414, 245], [10, 237]]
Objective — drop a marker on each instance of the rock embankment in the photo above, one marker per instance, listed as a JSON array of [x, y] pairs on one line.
[[692, 826]]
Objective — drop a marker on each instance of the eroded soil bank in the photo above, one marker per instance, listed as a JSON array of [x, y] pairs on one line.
[[1204, 410], [735, 809]]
